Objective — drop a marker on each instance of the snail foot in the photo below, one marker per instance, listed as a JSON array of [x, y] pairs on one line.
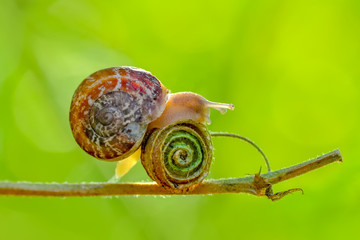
[[113, 179]]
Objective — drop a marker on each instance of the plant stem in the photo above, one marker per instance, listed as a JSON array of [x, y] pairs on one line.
[[259, 185]]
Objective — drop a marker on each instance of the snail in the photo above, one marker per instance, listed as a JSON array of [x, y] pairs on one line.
[[126, 114]]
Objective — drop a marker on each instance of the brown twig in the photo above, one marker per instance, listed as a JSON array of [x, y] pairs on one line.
[[259, 184]]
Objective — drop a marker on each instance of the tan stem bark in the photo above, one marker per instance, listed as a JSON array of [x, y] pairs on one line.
[[258, 184]]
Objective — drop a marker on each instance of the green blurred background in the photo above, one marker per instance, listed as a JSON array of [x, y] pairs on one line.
[[291, 68]]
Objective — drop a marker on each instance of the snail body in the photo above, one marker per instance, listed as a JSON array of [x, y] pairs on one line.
[[116, 110], [188, 105]]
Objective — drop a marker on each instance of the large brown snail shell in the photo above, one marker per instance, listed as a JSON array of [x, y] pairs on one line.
[[111, 109]]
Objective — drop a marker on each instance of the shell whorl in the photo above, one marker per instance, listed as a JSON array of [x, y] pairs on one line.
[[178, 156], [111, 109]]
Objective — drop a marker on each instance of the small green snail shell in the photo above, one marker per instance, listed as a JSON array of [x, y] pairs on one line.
[[178, 156]]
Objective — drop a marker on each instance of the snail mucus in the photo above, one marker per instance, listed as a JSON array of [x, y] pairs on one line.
[[125, 114]]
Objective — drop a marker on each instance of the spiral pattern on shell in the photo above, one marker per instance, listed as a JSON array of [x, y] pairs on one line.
[[111, 109], [178, 156]]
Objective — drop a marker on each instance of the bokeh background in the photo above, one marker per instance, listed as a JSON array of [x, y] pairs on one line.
[[291, 68]]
